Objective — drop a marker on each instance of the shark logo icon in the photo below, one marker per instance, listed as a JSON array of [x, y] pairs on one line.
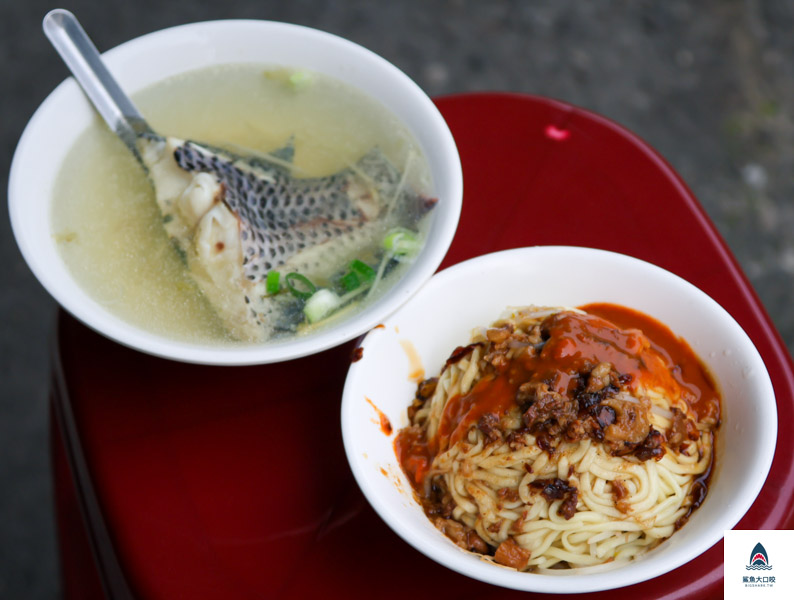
[[758, 559]]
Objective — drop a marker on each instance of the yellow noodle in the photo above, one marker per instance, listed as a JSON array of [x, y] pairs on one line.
[[478, 471]]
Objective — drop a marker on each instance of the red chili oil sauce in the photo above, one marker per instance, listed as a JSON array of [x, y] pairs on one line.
[[635, 344], [383, 420]]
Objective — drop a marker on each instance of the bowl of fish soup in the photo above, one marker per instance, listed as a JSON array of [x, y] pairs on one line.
[[314, 109]]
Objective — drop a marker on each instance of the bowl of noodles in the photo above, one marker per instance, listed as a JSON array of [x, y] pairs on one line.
[[560, 434], [293, 189]]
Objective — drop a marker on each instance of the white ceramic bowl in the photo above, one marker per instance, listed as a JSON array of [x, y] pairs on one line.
[[474, 293], [66, 113]]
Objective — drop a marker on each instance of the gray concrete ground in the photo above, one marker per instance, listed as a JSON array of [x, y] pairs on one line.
[[710, 84]]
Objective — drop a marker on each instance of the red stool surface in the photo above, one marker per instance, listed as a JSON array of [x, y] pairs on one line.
[[231, 482]]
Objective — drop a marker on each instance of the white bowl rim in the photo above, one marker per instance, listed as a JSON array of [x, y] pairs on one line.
[[553, 584], [94, 315]]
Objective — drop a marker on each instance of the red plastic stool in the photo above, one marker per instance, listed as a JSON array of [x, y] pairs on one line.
[[177, 480]]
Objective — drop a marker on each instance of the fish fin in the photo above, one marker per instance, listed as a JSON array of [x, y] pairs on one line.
[[376, 167], [287, 152]]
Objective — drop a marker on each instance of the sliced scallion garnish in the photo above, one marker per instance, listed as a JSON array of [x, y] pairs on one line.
[[350, 281], [272, 283], [363, 270], [401, 241], [295, 281], [300, 80], [321, 304]]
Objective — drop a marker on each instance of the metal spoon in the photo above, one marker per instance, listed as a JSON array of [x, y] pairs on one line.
[[82, 58]]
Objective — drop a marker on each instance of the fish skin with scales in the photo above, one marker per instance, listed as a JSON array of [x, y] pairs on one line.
[[237, 217]]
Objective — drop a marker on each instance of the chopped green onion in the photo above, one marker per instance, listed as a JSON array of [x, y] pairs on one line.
[[393, 236], [272, 283], [300, 80], [303, 282], [401, 241], [320, 305], [350, 281], [363, 270]]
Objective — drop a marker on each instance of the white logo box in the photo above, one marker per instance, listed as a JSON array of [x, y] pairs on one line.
[[759, 564]]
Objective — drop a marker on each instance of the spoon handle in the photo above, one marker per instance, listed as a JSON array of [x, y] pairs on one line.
[[82, 58]]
